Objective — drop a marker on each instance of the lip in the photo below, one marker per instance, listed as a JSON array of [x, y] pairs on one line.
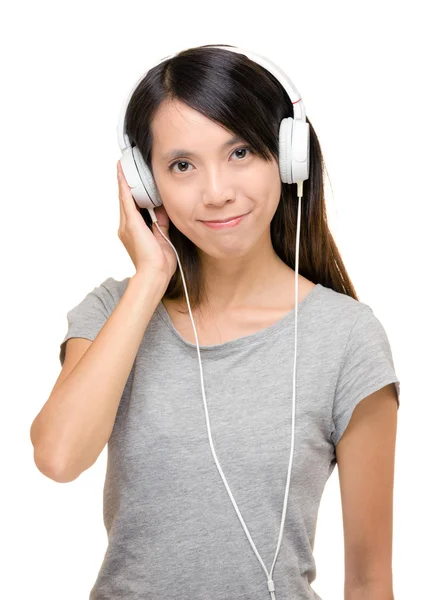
[[224, 224], [223, 220]]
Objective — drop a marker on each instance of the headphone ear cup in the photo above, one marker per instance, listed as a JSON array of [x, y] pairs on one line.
[[294, 150], [146, 179], [139, 179], [300, 156], [285, 146]]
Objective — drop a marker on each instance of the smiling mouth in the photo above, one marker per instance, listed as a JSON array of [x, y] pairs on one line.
[[225, 220], [225, 225]]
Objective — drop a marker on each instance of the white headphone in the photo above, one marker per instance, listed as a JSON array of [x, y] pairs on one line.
[[294, 162]]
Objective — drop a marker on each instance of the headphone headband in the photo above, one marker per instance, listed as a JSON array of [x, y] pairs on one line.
[[299, 113]]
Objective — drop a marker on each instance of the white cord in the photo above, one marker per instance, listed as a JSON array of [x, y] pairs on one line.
[[270, 581]]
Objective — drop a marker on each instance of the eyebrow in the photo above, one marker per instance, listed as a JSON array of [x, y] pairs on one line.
[[178, 152]]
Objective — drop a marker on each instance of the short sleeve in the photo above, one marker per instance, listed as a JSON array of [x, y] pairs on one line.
[[366, 367], [87, 318]]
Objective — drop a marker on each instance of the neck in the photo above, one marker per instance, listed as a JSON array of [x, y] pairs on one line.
[[245, 281]]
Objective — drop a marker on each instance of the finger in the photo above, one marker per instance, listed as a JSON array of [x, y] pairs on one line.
[[122, 217], [128, 202], [125, 195]]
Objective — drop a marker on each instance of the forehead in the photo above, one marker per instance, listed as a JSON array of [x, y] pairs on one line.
[[180, 130]]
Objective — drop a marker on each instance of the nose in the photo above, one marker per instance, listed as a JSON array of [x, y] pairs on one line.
[[217, 189]]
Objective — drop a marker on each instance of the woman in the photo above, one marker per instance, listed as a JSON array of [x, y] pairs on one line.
[[206, 123]]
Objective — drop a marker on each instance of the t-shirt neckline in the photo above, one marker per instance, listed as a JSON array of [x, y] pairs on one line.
[[247, 339]]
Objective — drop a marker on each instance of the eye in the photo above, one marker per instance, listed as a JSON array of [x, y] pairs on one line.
[[247, 148], [184, 162]]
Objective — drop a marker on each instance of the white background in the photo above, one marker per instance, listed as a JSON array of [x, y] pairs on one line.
[[66, 68]]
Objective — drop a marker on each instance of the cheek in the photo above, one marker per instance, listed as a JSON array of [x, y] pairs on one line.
[[265, 192], [175, 201], [181, 213], [264, 181]]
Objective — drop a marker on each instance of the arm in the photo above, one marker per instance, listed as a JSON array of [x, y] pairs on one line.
[[365, 458], [76, 421]]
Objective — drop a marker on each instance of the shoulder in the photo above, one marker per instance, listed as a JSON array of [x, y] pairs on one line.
[[114, 287], [105, 295], [342, 322], [340, 308]]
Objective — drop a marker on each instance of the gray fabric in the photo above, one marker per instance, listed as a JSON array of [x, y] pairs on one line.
[[172, 530]]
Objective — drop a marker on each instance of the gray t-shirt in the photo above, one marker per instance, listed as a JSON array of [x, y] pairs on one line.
[[173, 532]]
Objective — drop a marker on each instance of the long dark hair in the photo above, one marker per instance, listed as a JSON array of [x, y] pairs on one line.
[[240, 95]]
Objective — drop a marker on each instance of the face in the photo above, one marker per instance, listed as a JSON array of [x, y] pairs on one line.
[[212, 178]]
